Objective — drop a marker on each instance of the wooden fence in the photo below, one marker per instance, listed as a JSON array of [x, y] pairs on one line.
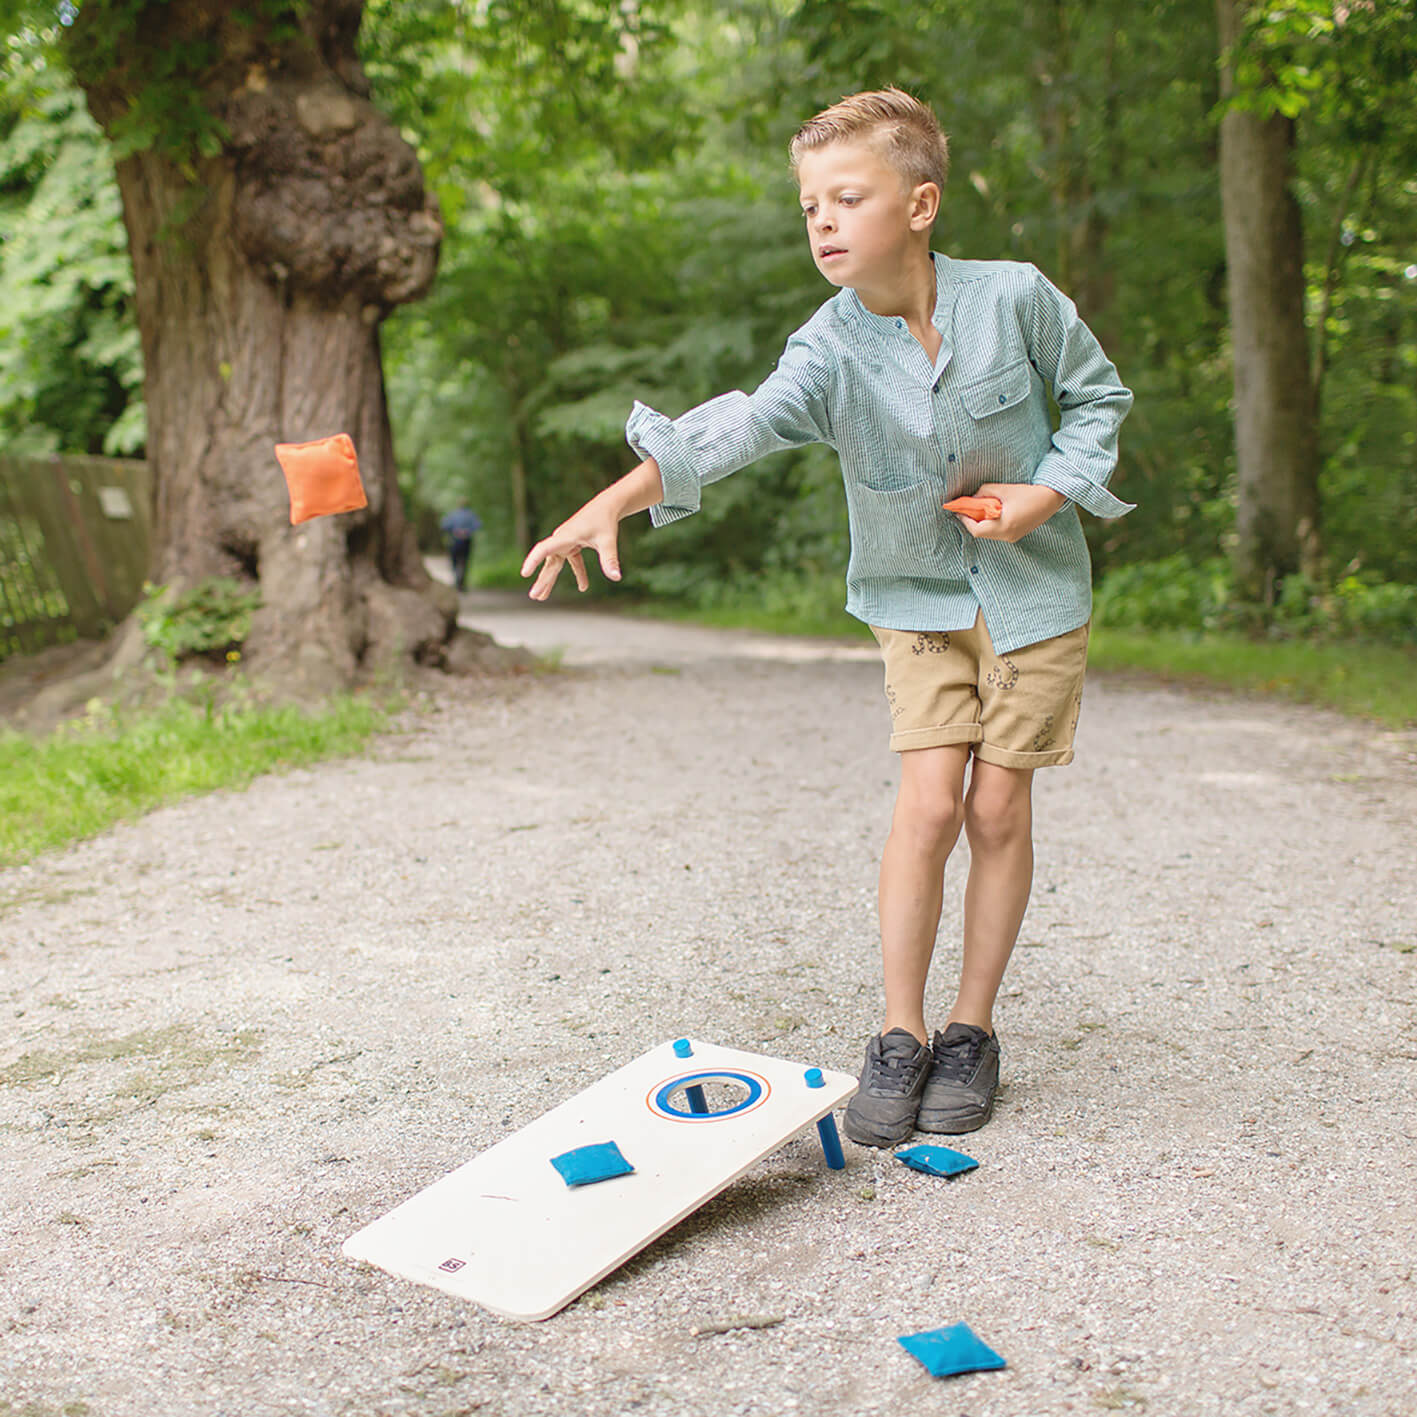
[[74, 535]]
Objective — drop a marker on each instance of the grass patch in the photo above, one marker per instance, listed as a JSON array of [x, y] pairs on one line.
[[85, 776], [1366, 680]]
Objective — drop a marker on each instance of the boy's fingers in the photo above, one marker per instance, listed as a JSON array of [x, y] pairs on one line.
[[556, 551], [544, 550], [542, 588], [608, 555], [578, 566]]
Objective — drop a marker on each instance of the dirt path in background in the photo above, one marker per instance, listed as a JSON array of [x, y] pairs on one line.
[[236, 1031]]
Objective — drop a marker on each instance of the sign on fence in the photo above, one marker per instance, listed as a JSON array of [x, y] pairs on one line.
[[74, 538]]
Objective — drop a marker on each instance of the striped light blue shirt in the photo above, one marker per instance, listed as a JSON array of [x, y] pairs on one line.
[[911, 436]]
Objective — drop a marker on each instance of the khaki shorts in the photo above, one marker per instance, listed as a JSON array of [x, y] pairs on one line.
[[1019, 710]]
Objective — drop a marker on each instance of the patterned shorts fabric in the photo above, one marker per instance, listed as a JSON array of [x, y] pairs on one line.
[[1019, 710]]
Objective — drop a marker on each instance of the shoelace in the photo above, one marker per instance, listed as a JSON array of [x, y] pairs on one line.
[[888, 1073], [958, 1060]]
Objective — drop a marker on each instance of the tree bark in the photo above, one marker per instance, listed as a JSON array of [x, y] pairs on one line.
[[1276, 433], [262, 275]]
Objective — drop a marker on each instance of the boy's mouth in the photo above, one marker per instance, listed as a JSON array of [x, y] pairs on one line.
[[826, 252]]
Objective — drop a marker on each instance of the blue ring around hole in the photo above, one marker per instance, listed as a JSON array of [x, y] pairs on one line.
[[754, 1086]]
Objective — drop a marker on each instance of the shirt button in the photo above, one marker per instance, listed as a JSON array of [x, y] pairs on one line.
[[952, 457], [900, 324], [974, 570], [1003, 398]]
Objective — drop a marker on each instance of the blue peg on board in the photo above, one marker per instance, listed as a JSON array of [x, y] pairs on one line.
[[694, 1095], [826, 1127]]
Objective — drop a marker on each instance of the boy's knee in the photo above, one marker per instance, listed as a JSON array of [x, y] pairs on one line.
[[934, 821], [996, 819]]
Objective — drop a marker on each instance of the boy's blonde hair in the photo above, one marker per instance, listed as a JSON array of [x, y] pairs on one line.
[[901, 129]]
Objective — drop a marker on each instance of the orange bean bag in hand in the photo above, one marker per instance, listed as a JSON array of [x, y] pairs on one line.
[[322, 477], [977, 509]]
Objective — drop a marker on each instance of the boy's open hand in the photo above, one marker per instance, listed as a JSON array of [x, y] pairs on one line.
[[597, 527], [592, 528], [1025, 507]]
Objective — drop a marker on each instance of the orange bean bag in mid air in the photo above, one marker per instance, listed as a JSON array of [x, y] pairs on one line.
[[322, 477]]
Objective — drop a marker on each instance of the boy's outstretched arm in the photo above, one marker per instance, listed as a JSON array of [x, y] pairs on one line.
[[597, 526]]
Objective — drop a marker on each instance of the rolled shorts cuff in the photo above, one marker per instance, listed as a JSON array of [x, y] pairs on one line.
[[941, 735], [1006, 758]]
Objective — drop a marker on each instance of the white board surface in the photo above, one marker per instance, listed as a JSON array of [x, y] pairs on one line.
[[506, 1231]]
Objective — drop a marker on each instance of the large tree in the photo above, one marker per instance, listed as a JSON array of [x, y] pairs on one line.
[[1276, 423], [274, 218]]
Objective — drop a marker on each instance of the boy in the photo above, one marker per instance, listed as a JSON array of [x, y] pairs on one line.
[[930, 377]]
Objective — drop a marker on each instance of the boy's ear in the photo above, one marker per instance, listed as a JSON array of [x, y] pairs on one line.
[[924, 206]]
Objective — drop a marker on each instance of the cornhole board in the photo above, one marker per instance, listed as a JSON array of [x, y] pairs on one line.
[[507, 1232]]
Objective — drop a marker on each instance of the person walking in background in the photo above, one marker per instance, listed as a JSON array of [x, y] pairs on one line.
[[460, 528]]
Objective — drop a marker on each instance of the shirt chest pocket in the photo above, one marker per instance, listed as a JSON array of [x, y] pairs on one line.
[[998, 391]]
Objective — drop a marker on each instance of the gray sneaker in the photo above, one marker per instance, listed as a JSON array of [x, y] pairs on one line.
[[883, 1110], [959, 1095]]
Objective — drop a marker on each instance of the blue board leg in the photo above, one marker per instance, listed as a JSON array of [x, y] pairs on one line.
[[697, 1101], [831, 1143]]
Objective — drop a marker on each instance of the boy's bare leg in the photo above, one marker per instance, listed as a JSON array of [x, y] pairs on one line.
[[929, 812], [998, 821]]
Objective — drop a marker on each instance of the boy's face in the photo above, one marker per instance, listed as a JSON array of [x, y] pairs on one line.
[[864, 219]]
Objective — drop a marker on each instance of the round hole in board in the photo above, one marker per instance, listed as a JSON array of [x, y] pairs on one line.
[[707, 1096], [715, 1095]]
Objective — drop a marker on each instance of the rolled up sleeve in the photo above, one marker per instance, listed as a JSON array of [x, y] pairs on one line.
[[787, 410], [1091, 399]]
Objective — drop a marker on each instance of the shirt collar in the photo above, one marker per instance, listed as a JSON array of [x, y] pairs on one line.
[[883, 324]]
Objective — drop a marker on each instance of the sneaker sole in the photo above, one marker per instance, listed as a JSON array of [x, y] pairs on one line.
[[864, 1138], [953, 1126]]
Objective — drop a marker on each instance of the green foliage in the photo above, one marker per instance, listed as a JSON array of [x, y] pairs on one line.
[[1179, 594], [109, 767], [1378, 610], [1172, 594], [70, 363], [213, 618], [1349, 63], [170, 92], [1345, 73], [678, 281], [621, 225]]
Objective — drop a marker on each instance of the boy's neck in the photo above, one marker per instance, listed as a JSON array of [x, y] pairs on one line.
[[909, 294]]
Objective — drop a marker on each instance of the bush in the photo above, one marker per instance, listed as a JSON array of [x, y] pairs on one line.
[[1377, 610], [212, 619], [1174, 593], [1177, 594]]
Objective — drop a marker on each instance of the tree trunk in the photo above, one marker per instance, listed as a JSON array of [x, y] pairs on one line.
[[262, 274], [1276, 435]]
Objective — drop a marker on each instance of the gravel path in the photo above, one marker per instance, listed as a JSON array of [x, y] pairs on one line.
[[239, 1029]]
